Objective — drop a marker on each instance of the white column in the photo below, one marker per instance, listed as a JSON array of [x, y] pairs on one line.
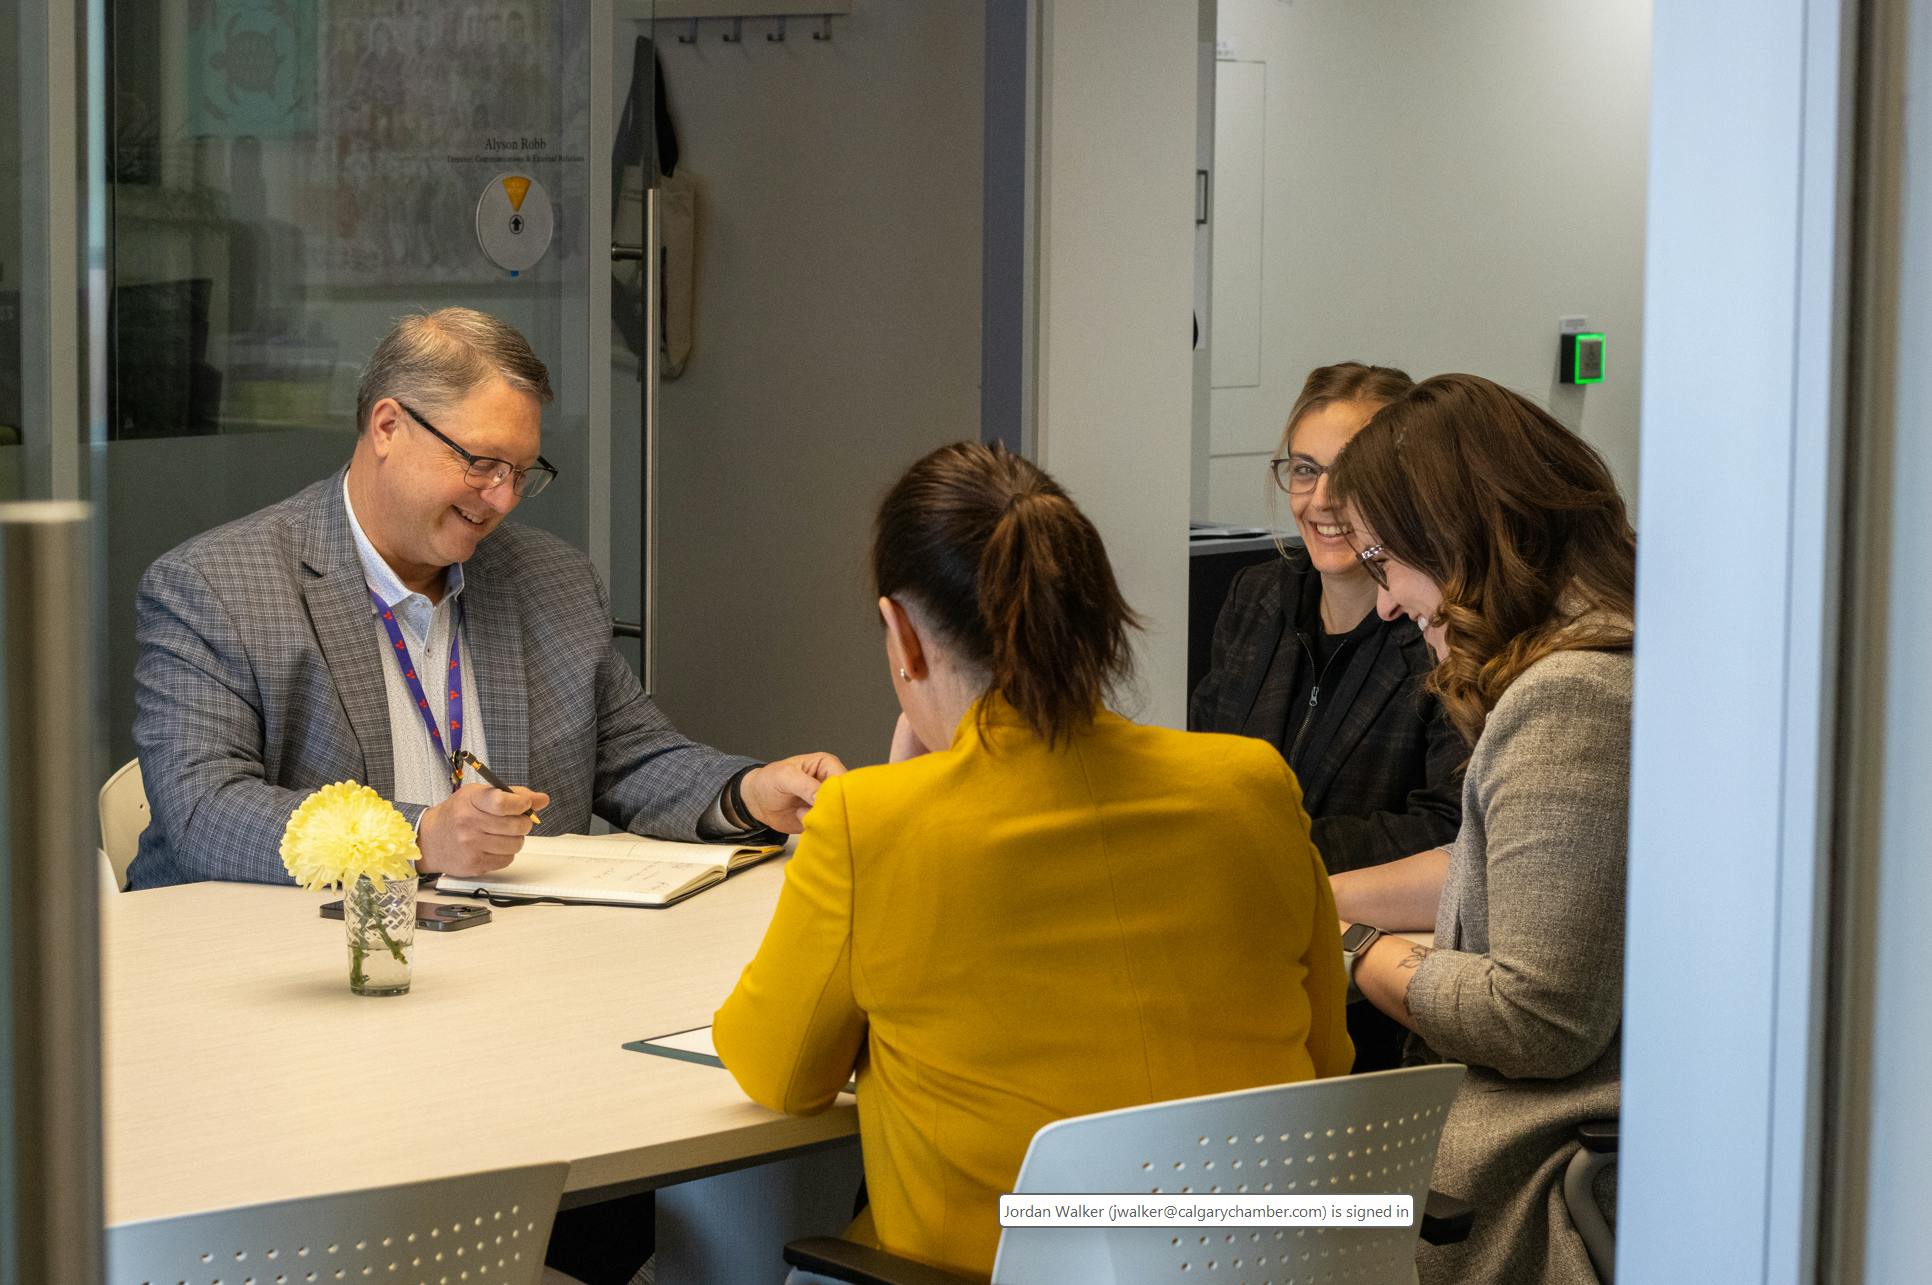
[[1116, 290], [1736, 641]]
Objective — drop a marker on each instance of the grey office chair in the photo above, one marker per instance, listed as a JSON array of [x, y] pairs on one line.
[[419, 1234], [1599, 1139], [1372, 1134]]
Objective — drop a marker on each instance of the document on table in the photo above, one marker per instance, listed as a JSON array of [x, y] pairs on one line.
[[610, 869], [693, 1045]]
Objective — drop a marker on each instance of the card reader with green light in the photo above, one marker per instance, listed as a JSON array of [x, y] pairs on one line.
[[1580, 358]]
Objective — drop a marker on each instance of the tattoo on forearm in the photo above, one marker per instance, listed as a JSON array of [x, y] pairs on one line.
[[1411, 962]]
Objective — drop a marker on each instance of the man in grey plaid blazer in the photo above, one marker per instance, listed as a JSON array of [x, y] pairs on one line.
[[269, 666]]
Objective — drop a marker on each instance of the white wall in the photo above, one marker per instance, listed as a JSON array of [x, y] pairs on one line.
[[837, 339], [1443, 181], [1116, 271], [1733, 741]]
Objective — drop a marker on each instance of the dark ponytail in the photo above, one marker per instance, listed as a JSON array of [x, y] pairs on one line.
[[1001, 562]]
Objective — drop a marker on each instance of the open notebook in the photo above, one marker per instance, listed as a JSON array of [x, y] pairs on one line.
[[610, 869]]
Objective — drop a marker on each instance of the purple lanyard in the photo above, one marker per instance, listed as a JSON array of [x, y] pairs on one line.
[[453, 709]]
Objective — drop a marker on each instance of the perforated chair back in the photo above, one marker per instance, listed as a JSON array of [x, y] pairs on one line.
[[487, 1227], [1370, 1134], [123, 805]]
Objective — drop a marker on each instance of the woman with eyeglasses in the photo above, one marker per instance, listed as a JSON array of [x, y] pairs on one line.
[[1038, 909], [1501, 534], [1302, 661]]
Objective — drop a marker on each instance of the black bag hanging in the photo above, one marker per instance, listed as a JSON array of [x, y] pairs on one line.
[[641, 154]]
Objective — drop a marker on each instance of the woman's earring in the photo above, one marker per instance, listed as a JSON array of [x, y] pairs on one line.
[[904, 677]]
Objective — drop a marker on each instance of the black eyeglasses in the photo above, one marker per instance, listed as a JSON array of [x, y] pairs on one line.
[[1297, 474], [486, 471], [1375, 562]]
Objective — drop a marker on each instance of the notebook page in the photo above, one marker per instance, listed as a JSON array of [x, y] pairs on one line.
[[641, 880]]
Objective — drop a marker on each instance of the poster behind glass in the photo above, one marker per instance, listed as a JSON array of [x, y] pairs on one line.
[[290, 177]]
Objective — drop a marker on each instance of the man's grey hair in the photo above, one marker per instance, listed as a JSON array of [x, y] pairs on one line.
[[433, 359]]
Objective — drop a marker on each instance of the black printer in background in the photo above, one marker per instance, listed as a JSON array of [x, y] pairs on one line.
[[1215, 552]]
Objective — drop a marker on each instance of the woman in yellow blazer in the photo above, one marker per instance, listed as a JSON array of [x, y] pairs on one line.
[[1038, 909]]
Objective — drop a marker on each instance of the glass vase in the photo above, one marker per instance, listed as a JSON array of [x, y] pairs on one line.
[[381, 924]]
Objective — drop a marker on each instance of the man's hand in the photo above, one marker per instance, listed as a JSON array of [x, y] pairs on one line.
[[905, 742], [476, 830], [779, 794]]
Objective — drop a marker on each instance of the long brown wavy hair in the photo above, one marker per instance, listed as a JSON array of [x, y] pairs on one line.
[[1513, 516], [1014, 575]]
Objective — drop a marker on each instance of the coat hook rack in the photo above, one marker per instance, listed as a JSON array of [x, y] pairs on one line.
[[690, 24]]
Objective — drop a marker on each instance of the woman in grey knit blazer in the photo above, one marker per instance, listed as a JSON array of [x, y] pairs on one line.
[[1502, 535]]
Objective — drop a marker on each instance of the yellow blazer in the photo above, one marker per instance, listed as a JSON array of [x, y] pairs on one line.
[[997, 936]]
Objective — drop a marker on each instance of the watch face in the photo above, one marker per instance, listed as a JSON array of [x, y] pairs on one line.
[[1357, 936]]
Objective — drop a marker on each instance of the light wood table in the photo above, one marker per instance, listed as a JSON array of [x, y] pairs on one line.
[[239, 1068]]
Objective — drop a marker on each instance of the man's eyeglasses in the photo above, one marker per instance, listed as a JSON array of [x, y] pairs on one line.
[[1376, 563], [1297, 474], [486, 471]]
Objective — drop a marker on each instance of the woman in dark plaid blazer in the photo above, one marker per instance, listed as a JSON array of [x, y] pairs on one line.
[[1302, 660]]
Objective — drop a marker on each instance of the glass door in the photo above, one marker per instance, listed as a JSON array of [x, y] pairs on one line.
[[285, 181]]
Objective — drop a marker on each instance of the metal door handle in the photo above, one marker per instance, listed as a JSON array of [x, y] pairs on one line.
[[651, 326]]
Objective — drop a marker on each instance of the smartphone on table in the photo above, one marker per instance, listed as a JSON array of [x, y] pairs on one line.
[[431, 916]]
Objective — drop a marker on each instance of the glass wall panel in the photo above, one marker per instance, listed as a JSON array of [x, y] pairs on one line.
[[10, 489], [11, 266], [286, 181], [50, 1152]]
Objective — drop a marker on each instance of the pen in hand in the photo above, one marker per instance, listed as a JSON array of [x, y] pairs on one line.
[[489, 778]]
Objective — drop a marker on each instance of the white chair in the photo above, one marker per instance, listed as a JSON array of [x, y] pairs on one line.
[[1352, 1135], [123, 805], [491, 1226]]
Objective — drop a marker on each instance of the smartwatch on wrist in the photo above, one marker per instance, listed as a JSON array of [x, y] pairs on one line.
[[732, 801], [1355, 944]]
